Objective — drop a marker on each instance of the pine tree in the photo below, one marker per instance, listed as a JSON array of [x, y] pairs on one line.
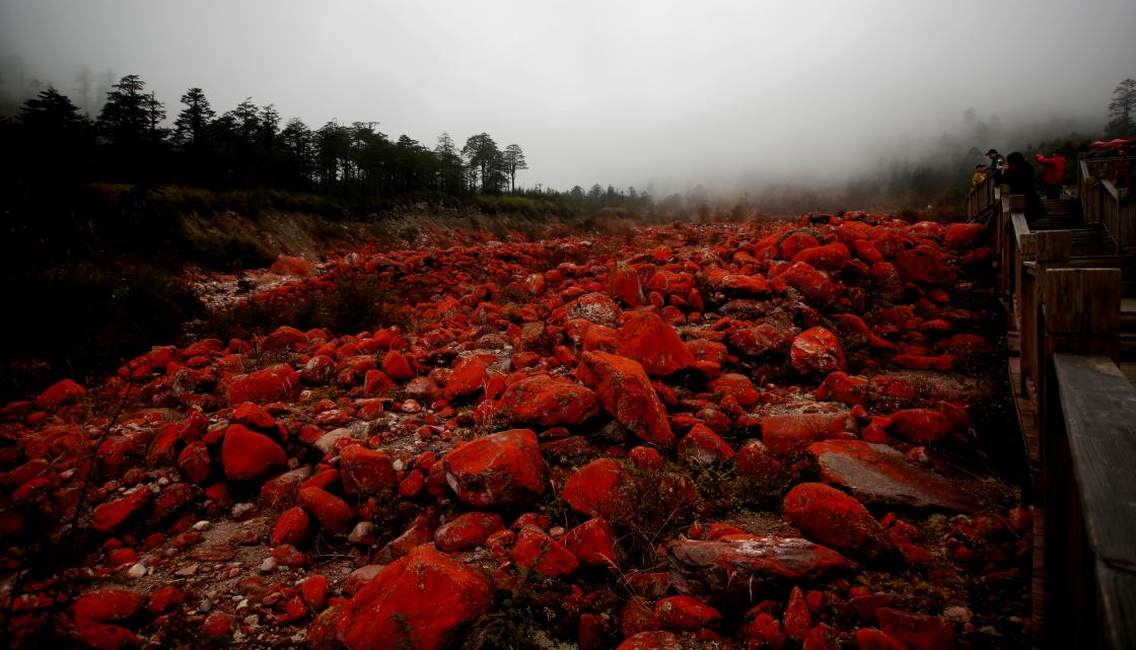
[[1122, 109]]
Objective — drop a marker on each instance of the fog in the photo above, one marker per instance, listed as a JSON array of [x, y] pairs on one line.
[[653, 93]]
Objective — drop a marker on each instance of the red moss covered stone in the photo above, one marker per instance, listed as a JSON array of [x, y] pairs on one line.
[[366, 471], [248, 455], [501, 468], [467, 531], [626, 394], [271, 384], [816, 351], [422, 599], [548, 402], [835, 519], [654, 344]]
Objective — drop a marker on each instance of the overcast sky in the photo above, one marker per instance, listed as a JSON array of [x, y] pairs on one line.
[[609, 91]]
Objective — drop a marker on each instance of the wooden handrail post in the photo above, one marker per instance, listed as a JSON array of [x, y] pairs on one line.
[[1046, 249]]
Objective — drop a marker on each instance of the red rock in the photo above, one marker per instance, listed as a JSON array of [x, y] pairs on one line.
[[248, 455], [829, 257], [102, 636], [163, 598], [501, 468], [703, 446], [654, 344], [291, 265], [756, 462], [817, 351], [796, 241], [916, 631], [923, 264], [821, 637], [921, 426], [548, 402], [880, 474], [737, 386], [626, 286], [592, 542], [272, 384], [729, 563], [963, 235], [112, 514], [871, 639], [467, 531], [835, 519], [366, 471], [760, 340], [253, 416], [784, 433], [685, 613], [626, 394], [397, 367], [423, 599], [764, 632], [655, 640], [292, 527], [468, 375], [844, 388], [313, 590], [754, 285], [333, 514], [106, 604], [647, 459], [636, 616], [602, 488], [798, 619], [536, 551], [593, 307], [283, 338], [816, 286], [62, 392], [219, 624]]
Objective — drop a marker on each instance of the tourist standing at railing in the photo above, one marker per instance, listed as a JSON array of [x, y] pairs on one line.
[[978, 176], [1052, 172], [1018, 174], [996, 162]]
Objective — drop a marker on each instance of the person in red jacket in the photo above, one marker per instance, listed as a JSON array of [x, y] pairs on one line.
[[1052, 173]]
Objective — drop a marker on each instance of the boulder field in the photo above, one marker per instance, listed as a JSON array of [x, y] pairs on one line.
[[764, 435]]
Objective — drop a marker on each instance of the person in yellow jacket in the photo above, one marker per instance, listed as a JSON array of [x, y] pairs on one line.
[[978, 176]]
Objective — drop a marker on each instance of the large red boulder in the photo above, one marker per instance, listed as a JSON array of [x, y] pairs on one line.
[[271, 384], [106, 604], [702, 446], [548, 402], [501, 468], [601, 488], [421, 601], [791, 431], [366, 471], [110, 515], [467, 531], [248, 455], [333, 513], [816, 351], [924, 264], [962, 235], [468, 375], [65, 391], [730, 562], [536, 551], [626, 393], [654, 344], [835, 519], [829, 257], [685, 613], [626, 286], [921, 426], [815, 285], [592, 542]]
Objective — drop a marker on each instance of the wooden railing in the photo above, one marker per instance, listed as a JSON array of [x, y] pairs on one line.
[[1068, 323], [981, 198], [1104, 203]]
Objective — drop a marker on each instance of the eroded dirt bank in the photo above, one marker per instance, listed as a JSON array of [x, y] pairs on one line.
[[762, 435]]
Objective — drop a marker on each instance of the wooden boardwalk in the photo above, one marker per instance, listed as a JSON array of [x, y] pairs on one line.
[[1068, 282]]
